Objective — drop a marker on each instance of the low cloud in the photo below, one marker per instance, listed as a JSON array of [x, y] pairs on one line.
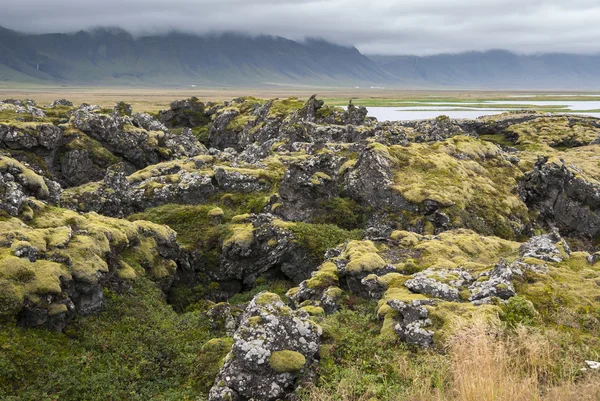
[[374, 27]]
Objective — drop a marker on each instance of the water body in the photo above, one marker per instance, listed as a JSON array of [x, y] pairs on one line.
[[465, 110], [402, 114]]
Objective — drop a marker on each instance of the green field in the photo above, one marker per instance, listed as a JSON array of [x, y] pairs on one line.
[[154, 99]]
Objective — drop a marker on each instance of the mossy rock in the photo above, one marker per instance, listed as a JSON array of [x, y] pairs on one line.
[[286, 361]]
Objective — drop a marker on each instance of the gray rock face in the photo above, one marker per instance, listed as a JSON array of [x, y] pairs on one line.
[[371, 180], [78, 166], [308, 183], [42, 137], [118, 195], [495, 283], [273, 347], [147, 122], [273, 249], [26, 106], [17, 184], [544, 247], [137, 145], [562, 198], [184, 113], [429, 282], [61, 102], [412, 320], [437, 129]]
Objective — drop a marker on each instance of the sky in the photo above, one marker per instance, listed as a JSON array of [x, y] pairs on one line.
[[419, 27]]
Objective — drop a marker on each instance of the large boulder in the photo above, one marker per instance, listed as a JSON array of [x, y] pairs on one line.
[[563, 197], [273, 348]]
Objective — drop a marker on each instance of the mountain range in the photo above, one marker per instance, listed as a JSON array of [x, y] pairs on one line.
[[115, 57]]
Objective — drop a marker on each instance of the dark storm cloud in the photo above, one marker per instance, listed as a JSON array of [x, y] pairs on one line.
[[376, 26]]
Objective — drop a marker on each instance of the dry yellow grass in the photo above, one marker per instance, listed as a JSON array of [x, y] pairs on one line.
[[486, 364]]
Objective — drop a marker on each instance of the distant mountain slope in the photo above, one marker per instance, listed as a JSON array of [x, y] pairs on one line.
[[114, 56], [496, 69]]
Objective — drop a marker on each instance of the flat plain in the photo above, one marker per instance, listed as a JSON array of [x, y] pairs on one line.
[[154, 99]]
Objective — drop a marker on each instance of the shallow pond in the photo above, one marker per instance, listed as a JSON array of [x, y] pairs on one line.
[[466, 110]]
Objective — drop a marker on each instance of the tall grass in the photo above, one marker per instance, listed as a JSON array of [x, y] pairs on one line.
[[486, 363]]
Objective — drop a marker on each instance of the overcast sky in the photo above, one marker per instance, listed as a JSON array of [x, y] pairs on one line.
[[374, 27]]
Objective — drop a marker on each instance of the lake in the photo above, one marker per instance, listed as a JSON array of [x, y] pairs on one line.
[[467, 110]]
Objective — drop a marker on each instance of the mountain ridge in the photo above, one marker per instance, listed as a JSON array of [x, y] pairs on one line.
[[112, 56]]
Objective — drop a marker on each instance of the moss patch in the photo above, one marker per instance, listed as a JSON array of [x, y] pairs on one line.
[[287, 361]]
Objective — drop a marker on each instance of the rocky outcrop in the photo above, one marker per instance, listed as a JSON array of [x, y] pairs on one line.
[[58, 266], [18, 182], [186, 181], [494, 283], [30, 137], [273, 347], [563, 198], [61, 103], [439, 283], [184, 113], [263, 245], [138, 146], [545, 247], [412, 318], [26, 106]]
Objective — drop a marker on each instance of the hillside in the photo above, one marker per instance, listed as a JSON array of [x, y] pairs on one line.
[[286, 249], [496, 70], [112, 56]]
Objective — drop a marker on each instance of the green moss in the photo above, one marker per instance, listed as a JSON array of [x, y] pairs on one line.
[[80, 141], [325, 277], [319, 178], [136, 348], [469, 178], [215, 212], [210, 360], [242, 236], [30, 179], [267, 298], [363, 257], [546, 133], [345, 213], [313, 310], [518, 310], [283, 108], [240, 122], [286, 361], [317, 238]]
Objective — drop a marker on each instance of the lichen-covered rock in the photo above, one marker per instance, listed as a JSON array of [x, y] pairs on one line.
[[494, 283], [544, 247], [437, 129], [273, 348], [226, 317], [26, 106], [61, 102], [133, 139], [18, 182], [184, 181], [412, 318], [442, 283], [30, 136]]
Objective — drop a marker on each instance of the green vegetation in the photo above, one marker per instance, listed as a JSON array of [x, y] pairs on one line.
[[317, 238], [137, 348], [468, 178], [286, 361]]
